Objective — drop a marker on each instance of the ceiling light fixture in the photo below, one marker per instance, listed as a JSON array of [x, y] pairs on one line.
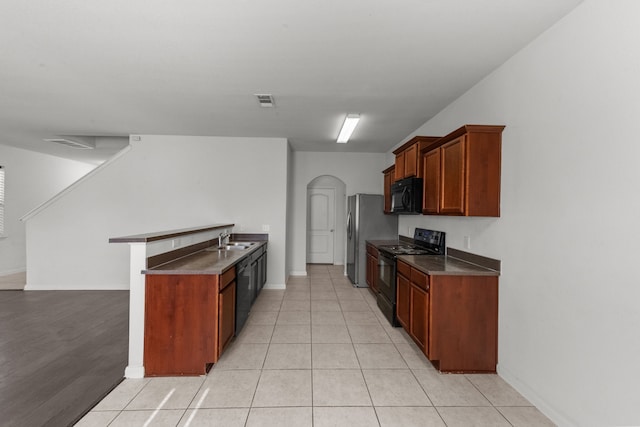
[[350, 123]]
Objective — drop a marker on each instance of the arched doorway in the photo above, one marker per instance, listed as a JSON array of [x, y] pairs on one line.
[[326, 207]]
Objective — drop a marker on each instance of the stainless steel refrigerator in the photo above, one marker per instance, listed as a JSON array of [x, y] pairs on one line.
[[366, 221]]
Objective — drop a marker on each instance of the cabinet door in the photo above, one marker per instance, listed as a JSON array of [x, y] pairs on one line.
[[419, 325], [403, 301], [369, 276], [388, 180], [453, 191], [431, 183], [399, 172], [372, 273], [411, 161], [226, 316]]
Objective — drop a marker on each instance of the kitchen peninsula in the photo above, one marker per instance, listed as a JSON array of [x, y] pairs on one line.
[[186, 287]]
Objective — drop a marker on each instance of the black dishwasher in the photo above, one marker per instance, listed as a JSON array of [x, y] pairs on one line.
[[244, 293]]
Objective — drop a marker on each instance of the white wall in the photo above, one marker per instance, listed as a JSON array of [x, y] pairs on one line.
[[162, 183], [568, 234], [31, 178], [361, 172]]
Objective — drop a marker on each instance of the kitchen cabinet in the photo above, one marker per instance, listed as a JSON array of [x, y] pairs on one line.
[[412, 306], [419, 308], [189, 321], [403, 296], [389, 178], [372, 268], [419, 323], [407, 161], [431, 182], [462, 174], [226, 310], [453, 319]]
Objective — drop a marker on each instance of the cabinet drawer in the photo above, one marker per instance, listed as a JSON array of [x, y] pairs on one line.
[[227, 277], [404, 269], [419, 279]]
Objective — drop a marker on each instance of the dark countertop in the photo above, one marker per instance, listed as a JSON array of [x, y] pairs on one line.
[[443, 265], [205, 261], [378, 243], [401, 240], [462, 264], [161, 235]]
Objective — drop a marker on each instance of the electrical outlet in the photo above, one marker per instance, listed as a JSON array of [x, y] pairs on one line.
[[265, 227], [467, 242], [175, 243]]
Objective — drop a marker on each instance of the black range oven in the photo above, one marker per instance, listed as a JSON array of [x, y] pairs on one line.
[[425, 242], [387, 285]]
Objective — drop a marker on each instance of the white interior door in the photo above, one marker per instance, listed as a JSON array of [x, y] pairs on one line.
[[321, 225]]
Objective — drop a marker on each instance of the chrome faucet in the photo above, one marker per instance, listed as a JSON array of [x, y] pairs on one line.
[[222, 237]]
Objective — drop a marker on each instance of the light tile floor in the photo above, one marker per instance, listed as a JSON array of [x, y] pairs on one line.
[[318, 354]]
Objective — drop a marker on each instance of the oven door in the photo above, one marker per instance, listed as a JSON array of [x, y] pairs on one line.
[[387, 276]]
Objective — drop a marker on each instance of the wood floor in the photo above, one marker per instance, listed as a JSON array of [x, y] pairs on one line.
[[60, 353]]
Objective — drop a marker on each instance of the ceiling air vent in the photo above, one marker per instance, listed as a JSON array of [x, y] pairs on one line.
[[265, 100], [77, 142]]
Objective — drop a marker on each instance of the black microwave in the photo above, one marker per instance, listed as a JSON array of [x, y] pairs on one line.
[[406, 196]]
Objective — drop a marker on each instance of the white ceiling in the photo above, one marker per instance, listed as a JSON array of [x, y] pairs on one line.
[[192, 67]]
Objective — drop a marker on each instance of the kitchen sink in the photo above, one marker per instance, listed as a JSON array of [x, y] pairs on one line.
[[231, 246]]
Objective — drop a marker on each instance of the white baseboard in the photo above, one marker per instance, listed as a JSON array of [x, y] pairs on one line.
[[298, 273], [119, 287], [533, 397], [134, 372], [10, 272], [275, 286]]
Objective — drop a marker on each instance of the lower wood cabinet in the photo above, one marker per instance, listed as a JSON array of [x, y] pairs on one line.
[[453, 319], [372, 268], [189, 320], [226, 312], [403, 301], [419, 326]]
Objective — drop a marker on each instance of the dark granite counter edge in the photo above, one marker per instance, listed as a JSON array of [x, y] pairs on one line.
[[237, 257], [479, 260], [491, 265], [161, 235], [442, 265]]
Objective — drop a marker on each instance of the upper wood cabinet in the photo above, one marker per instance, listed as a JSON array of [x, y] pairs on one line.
[[431, 182], [389, 178], [408, 157], [462, 174]]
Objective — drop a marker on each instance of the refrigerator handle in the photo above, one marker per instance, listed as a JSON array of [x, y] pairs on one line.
[[349, 226]]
